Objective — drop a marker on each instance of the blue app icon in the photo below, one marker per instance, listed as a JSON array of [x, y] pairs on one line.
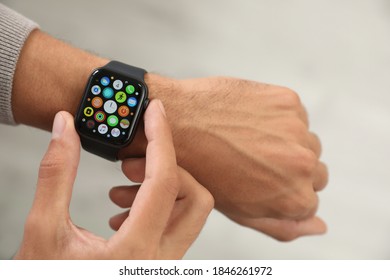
[[108, 92], [105, 81], [132, 102], [95, 90]]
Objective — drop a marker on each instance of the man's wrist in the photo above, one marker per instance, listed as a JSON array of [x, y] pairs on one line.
[[160, 87]]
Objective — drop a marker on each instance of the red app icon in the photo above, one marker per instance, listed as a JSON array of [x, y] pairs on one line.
[[123, 111]]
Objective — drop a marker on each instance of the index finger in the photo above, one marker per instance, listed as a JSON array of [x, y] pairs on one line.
[[155, 199]]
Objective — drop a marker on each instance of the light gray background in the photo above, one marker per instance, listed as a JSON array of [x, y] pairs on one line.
[[335, 54]]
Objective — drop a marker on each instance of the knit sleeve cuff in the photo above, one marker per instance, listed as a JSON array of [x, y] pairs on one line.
[[14, 30]]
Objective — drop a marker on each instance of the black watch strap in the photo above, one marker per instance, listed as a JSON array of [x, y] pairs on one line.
[[125, 69], [101, 149]]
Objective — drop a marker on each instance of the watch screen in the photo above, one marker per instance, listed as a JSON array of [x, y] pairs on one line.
[[110, 108]]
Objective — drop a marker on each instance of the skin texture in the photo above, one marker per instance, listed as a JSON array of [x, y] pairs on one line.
[[248, 143], [167, 214]]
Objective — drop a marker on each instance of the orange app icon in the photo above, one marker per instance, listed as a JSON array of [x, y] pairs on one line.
[[123, 111], [97, 102]]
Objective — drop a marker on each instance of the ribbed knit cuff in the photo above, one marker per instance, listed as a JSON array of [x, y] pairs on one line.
[[14, 30]]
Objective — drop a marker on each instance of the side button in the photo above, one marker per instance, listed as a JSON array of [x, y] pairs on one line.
[[146, 103]]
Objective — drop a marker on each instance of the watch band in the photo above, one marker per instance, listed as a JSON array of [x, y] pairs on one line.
[[103, 150], [126, 69]]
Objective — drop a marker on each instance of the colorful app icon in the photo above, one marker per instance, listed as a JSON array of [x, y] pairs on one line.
[[105, 81], [117, 84], [130, 89], [108, 92], [100, 116], [88, 111], [90, 124], [110, 106], [103, 128], [97, 102], [115, 132], [123, 111], [96, 90], [132, 102], [112, 120], [125, 123], [120, 97]]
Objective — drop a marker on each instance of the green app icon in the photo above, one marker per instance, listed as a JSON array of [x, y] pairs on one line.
[[112, 120], [120, 97], [130, 89]]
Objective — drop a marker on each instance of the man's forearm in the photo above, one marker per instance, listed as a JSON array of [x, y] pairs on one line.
[[50, 76]]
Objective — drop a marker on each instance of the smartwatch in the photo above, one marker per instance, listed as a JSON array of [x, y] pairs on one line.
[[111, 108]]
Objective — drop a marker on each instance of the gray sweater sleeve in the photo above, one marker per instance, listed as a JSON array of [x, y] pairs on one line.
[[14, 30]]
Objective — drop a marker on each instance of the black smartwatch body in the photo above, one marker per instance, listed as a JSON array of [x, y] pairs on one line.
[[111, 108]]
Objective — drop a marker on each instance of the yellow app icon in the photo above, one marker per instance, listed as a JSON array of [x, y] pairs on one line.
[[88, 111]]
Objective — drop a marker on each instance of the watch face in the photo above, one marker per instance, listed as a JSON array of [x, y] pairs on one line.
[[111, 107]]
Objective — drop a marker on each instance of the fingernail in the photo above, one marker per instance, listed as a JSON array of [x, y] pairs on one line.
[[162, 108], [58, 126]]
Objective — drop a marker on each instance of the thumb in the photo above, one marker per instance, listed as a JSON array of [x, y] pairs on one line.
[[58, 168]]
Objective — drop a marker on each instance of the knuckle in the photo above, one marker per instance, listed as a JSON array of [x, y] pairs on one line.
[[297, 129], [51, 164], [309, 162], [207, 200], [300, 205], [322, 176], [290, 98], [49, 168], [203, 200], [171, 183], [305, 162]]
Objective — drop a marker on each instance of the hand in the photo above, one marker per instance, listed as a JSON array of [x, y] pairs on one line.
[[166, 217], [249, 144]]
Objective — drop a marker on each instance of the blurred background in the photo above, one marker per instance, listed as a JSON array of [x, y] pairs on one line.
[[335, 54]]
